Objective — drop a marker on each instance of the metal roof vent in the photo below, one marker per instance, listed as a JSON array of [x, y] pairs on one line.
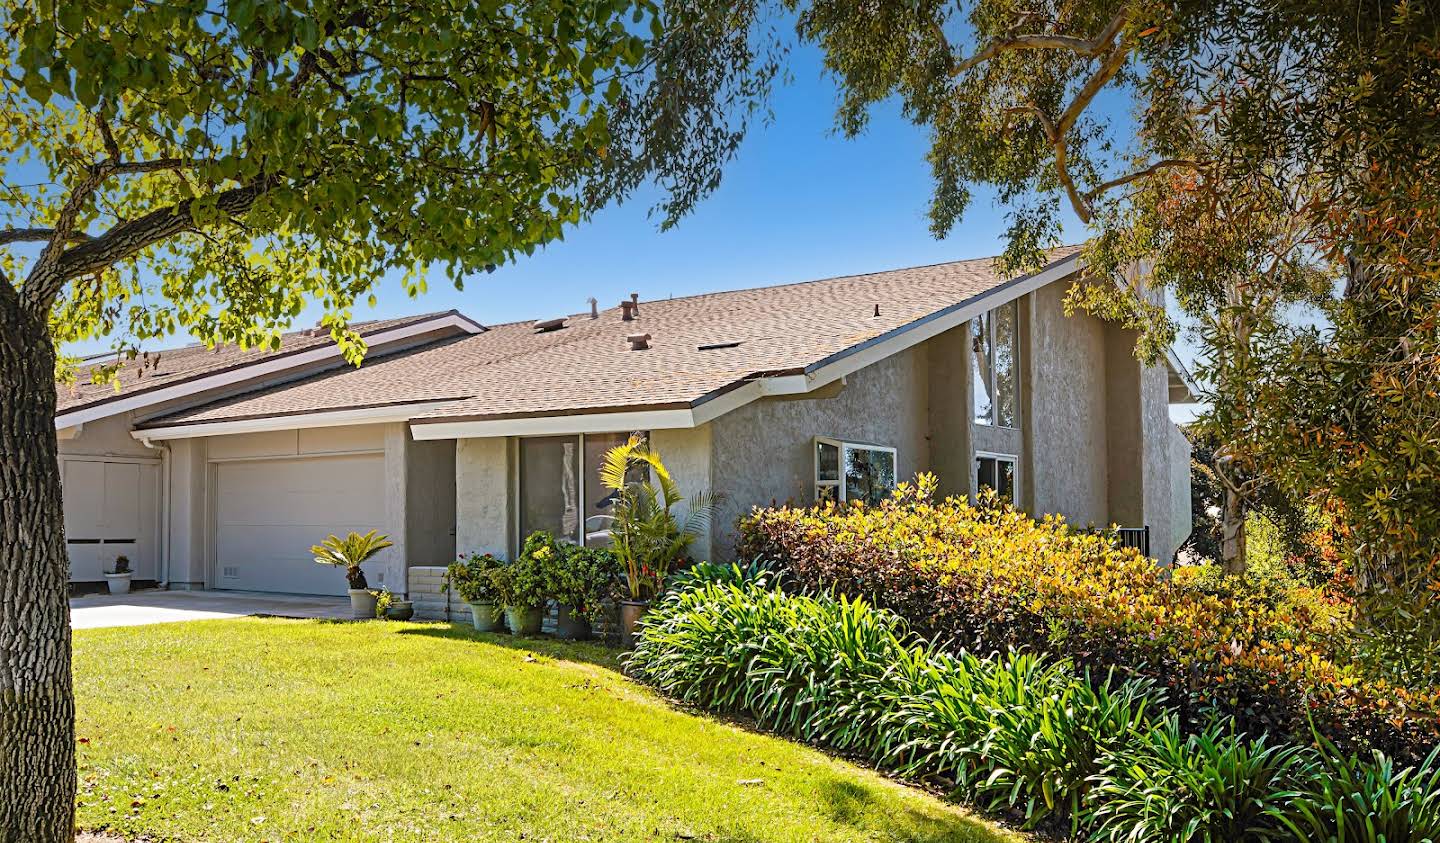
[[715, 346], [549, 325], [638, 342]]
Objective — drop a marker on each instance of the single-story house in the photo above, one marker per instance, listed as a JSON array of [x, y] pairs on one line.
[[218, 469]]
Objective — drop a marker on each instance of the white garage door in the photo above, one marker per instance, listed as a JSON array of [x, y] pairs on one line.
[[269, 513]]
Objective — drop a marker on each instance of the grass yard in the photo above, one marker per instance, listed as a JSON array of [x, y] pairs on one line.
[[266, 729]]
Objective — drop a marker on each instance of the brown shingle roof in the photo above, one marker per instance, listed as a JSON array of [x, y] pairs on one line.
[[177, 365], [587, 366]]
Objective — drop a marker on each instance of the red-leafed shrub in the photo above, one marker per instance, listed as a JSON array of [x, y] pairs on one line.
[[992, 578]]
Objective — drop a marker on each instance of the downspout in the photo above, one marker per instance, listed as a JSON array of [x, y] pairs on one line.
[[164, 449]]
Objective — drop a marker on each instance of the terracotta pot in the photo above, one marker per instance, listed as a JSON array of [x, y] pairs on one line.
[[485, 616], [570, 624], [524, 621], [630, 613]]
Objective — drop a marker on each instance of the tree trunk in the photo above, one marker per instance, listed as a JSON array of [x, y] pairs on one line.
[[37, 705], [1232, 534]]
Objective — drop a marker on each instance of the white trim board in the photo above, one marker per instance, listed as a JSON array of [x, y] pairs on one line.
[[334, 418], [251, 371]]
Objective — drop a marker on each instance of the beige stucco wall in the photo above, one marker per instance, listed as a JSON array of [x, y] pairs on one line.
[[105, 437], [687, 456], [762, 451], [483, 519], [1067, 412]]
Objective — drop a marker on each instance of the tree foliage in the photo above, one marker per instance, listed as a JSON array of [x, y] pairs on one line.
[[1258, 160]]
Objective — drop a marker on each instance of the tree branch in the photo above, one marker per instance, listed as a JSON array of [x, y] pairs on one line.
[[35, 235], [130, 237], [1080, 46], [1158, 166]]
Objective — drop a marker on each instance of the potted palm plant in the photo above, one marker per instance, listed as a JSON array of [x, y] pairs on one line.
[[647, 536], [350, 553], [472, 577], [522, 585], [585, 579], [119, 578]]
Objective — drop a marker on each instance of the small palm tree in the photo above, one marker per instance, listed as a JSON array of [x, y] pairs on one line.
[[646, 535], [350, 553]]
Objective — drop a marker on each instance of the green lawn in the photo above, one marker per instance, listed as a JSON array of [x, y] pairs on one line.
[[310, 730]]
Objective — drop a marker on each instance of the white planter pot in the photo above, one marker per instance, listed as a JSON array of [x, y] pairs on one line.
[[362, 604], [119, 583]]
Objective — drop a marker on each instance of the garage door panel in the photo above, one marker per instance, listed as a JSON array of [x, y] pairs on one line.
[[269, 513]]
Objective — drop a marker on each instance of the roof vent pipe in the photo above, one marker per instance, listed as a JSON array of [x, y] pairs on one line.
[[638, 342], [635, 303], [594, 308], [627, 311]]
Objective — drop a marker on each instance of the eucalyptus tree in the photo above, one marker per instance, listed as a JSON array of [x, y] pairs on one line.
[[1258, 157], [213, 168]]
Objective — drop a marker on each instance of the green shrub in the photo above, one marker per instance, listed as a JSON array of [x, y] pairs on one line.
[[1374, 800], [990, 578], [472, 577], [1015, 732], [1208, 786], [585, 579]]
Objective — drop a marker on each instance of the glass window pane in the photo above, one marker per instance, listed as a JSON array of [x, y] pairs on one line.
[[981, 359], [827, 493], [869, 474], [827, 462], [598, 499], [550, 486], [1006, 368], [1007, 479], [985, 472]]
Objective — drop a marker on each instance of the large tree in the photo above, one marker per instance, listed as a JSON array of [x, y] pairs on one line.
[[1257, 157], [214, 168]]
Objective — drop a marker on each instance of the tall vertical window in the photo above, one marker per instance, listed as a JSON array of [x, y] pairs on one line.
[[560, 489], [995, 368]]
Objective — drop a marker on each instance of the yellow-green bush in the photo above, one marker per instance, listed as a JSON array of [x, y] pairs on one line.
[[989, 578]]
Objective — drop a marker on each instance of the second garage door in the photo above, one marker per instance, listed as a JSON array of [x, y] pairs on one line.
[[269, 513]]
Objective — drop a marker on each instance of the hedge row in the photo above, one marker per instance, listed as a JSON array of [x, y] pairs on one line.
[[1020, 733], [992, 578]]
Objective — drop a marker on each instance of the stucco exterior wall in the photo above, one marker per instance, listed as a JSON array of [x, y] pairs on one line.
[[1067, 418], [761, 452], [1180, 514], [430, 502], [687, 454], [105, 437], [482, 496]]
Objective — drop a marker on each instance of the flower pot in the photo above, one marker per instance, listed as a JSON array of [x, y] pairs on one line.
[[362, 603], [630, 613], [570, 624], [524, 621], [400, 610], [485, 616], [119, 583]]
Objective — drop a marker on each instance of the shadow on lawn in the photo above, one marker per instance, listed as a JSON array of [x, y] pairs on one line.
[[847, 802], [585, 652]]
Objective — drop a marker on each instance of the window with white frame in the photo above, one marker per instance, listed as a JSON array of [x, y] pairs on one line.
[[995, 366], [560, 490], [848, 471], [997, 471]]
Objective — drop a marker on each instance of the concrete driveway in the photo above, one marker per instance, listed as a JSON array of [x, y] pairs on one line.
[[152, 606]]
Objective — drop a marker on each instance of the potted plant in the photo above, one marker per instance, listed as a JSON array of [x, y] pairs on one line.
[[388, 607], [522, 585], [119, 577], [647, 536], [350, 553], [472, 577], [585, 579]]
